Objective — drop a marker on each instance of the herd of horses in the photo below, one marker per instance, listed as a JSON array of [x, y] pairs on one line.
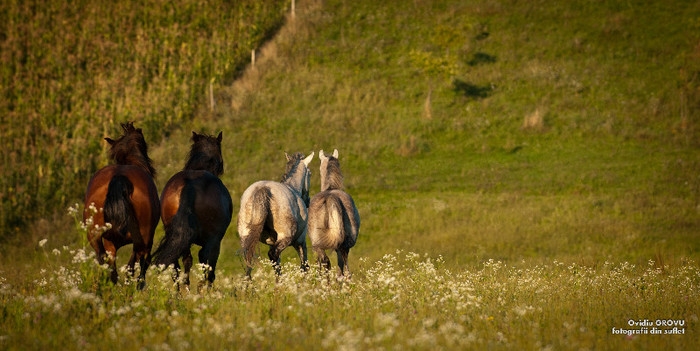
[[196, 208]]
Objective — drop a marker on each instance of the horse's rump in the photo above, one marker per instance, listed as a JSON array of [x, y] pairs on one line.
[[118, 210], [180, 228], [125, 197], [333, 220], [326, 227], [256, 211]]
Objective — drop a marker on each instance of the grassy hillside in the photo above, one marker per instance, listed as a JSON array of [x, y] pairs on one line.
[[70, 71], [527, 173], [487, 129]]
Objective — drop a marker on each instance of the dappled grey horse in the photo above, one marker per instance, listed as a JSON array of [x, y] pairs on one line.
[[275, 213], [333, 218]]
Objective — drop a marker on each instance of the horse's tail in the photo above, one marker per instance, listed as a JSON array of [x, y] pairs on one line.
[[118, 210], [181, 231], [259, 209], [335, 218]]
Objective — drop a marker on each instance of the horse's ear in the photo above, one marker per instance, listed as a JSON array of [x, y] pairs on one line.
[[308, 159], [321, 155], [110, 141], [195, 136], [287, 156], [335, 153], [220, 137]]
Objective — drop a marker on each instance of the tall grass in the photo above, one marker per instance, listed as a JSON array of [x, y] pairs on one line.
[[402, 300], [71, 70]]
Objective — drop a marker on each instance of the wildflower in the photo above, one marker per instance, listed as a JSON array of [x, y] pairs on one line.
[[42, 242], [73, 210]]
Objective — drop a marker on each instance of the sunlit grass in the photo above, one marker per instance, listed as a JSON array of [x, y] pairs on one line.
[[402, 300]]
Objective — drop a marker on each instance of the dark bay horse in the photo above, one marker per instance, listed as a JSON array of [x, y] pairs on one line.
[[274, 213], [334, 222], [196, 209], [126, 203]]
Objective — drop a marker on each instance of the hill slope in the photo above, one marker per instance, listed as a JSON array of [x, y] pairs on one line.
[[484, 130]]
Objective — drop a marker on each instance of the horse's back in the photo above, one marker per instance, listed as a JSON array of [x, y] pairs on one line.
[[285, 209], [281, 196]]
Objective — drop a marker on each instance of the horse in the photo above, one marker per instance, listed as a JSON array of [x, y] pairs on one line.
[[122, 203], [196, 209], [334, 222], [275, 213]]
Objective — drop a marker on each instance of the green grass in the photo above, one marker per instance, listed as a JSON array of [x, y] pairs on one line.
[[541, 158], [403, 300]]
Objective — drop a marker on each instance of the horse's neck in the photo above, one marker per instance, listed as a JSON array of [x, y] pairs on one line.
[[329, 183], [326, 185], [139, 161], [295, 182]]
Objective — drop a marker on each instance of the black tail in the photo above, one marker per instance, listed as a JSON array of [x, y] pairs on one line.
[[118, 210], [181, 231]]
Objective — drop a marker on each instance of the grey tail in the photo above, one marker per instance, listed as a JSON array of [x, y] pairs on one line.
[[335, 216], [181, 231], [260, 209], [118, 210]]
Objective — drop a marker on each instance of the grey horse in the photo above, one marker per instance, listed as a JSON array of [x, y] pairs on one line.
[[334, 222], [275, 213]]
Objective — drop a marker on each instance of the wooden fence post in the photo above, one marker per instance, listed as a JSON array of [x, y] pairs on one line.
[[211, 95]]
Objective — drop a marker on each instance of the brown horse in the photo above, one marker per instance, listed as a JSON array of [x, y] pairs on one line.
[[127, 204], [197, 209]]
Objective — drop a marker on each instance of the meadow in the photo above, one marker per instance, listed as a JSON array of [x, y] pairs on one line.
[[527, 173]]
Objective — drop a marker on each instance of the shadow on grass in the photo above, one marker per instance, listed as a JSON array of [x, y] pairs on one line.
[[481, 58], [470, 90]]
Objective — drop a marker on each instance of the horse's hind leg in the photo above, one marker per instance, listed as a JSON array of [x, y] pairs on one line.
[[209, 255], [111, 254], [131, 264], [343, 261], [323, 261], [143, 256], [276, 250], [187, 263], [302, 251]]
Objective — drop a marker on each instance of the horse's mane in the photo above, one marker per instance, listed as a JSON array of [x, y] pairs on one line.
[[205, 154], [333, 178], [131, 149], [292, 164]]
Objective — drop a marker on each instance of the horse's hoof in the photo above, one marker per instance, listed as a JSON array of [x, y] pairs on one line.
[[140, 285]]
